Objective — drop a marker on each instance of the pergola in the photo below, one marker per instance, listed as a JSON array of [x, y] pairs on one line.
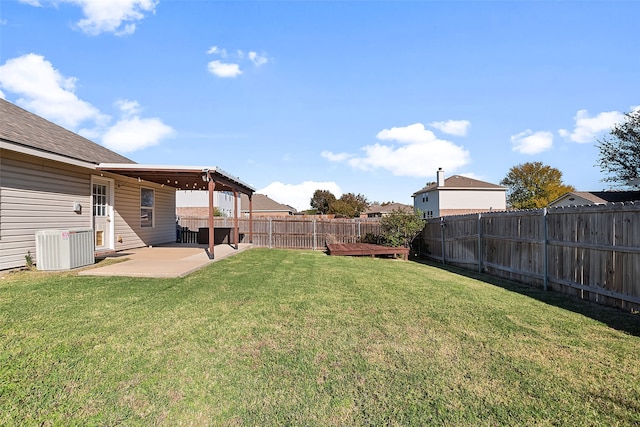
[[191, 178]]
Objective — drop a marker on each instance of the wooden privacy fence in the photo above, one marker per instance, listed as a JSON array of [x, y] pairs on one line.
[[294, 232], [592, 252]]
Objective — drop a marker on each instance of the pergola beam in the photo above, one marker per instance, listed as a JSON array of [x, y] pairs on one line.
[[191, 178]]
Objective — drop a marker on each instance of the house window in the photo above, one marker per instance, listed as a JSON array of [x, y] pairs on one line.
[[147, 207], [99, 194], [425, 198]]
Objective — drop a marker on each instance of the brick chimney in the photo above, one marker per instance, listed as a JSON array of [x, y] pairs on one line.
[[440, 177]]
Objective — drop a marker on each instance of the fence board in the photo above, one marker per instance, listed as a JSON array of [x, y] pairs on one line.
[[294, 232], [592, 252]]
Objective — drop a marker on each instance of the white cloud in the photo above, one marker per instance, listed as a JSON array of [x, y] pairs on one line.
[[128, 108], [107, 16], [215, 50], [587, 128], [419, 154], [298, 195], [224, 70], [529, 142], [46, 92], [231, 69], [134, 133], [452, 127], [257, 60], [412, 134], [335, 157]]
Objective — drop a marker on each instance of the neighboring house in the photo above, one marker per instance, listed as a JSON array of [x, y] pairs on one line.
[[264, 206], [580, 198], [52, 178], [196, 203], [458, 195], [261, 205], [377, 211]]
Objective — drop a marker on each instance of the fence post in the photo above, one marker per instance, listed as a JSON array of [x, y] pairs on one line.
[[545, 262], [314, 244], [270, 232], [359, 230], [442, 235], [479, 243]]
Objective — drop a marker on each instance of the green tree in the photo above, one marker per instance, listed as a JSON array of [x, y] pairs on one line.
[[400, 227], [349, 205], [533, 185], [620, 151], [322, 200]]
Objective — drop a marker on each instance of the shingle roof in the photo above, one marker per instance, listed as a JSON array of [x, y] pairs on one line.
[[23, 128], [460, 182], [262, 203], [374, 209], [605, 196]]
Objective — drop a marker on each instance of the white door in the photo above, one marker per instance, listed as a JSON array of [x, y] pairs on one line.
[[101, 193]]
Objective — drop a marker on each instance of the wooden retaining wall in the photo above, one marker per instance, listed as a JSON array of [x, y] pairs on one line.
[[592, 252], [294, 232]]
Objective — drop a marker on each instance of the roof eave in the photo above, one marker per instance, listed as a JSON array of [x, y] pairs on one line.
[[194, 173], [23, 149]]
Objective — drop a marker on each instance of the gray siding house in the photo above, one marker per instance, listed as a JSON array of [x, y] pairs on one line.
[[52, 178]]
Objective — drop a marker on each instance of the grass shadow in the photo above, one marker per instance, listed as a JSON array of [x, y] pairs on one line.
[[613, 317]]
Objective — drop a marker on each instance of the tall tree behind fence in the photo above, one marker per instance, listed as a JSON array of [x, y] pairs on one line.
[[592, 252], [294, 232]]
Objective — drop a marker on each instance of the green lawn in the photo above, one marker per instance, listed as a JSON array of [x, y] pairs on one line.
[[278, 337]]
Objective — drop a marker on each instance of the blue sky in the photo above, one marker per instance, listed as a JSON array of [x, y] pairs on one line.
[[349, 96]]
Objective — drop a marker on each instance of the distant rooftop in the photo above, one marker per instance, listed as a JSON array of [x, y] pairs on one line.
[[459, 182]]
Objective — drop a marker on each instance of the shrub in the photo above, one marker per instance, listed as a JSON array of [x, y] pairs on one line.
[[399, 228], [371, 238]]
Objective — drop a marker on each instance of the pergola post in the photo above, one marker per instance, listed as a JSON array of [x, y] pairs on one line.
[[251, 218], [236, 233], [212, 187]]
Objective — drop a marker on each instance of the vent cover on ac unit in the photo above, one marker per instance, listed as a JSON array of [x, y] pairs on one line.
[[64, 249]]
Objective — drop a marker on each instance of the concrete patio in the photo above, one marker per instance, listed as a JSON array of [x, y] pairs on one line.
[[174, 260]]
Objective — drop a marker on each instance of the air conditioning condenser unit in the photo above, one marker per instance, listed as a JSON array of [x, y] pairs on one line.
[[64, 249]]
